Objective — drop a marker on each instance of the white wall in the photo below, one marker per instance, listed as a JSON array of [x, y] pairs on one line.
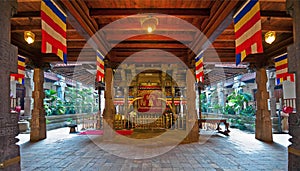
[[13, 88], [289, 89]]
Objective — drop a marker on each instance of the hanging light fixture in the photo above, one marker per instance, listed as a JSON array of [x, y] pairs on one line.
[[270, 37], [149, 23], [29, 37]]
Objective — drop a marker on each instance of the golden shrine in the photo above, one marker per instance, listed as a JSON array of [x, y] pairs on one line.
[[151, 103]]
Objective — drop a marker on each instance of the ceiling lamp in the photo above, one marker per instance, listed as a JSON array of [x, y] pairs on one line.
[[29, 37], [270, 37], [149, 23]]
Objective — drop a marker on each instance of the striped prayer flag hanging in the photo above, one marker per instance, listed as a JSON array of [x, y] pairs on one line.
[[247, 27], [281, 66], [53, 30], [21, 71], [100, 68], [199, 68]]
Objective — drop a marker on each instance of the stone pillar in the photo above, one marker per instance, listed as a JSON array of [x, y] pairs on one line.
[[61, 86], [38, 120], [9, 151], [263, 126], [199, 87], [191, 119], [99, 113], [163, 90], [173, 98], [126, 100], [135, 94], [79, 87], [220, 91], [109, 111], [28, 97], [13, 88], [271, 85], [294, 60]]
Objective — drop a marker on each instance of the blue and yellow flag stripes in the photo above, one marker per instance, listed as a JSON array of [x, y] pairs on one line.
[[21, 71], [100, 68], [281, 65], [54, 29], [199, 67], [247, 27]]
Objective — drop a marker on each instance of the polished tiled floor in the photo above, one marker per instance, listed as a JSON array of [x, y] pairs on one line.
[[239, 151]]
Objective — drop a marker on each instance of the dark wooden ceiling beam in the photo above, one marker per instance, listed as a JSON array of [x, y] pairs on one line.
[[136, 25], [34, 28], [224, 45], [152, 60], [225, 37], [184, 37], [113, 12], [216, 25], [267, 27], [197, 12], [71, 36], [78, 44], [54, 58], [272, 13], [149, 41], [279, 48], [27, 14], [126, 54], [22, 28], [149, 46], [83, 24]]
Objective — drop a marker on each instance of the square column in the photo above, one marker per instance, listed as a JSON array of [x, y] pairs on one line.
[[109, 110], [263, 125], [28, 96], [9, 151], [294, 63], [38, 120], [191, 118]]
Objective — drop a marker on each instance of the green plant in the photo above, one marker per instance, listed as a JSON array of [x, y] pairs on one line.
[[217, 106], [248, 111], [228, 110], [238, 105], [50, 98], [237, 100], [80, 100], [69, 119], [204, 103], [59, 108], [52, 104]]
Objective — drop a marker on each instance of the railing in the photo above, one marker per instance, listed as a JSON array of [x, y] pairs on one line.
[[13, 103], [211, 115], [290, 102], [86, 121], [150, 121]]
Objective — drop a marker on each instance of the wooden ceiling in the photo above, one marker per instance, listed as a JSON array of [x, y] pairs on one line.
[[120, 33]]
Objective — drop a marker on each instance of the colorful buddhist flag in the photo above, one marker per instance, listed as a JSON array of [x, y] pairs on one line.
[[21, 71], [281, 65], [53, 30], [199, 67], [100, 68], [247, 27]]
